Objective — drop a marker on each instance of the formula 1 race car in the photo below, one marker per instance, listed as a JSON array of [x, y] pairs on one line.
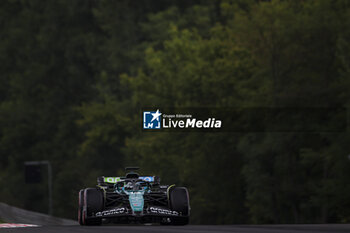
[[133, 199]]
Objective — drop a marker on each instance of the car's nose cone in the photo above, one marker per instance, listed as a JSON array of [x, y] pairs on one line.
[[136, 201]]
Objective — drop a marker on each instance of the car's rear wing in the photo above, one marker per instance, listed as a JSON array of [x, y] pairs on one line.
[[113, 180]]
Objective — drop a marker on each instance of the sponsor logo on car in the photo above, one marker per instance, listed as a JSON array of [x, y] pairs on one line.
[[114, 180], [110, 212], [157, 210]]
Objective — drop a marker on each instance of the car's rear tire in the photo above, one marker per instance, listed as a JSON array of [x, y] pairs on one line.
[[180, 202], [93, 203], [80, 209]]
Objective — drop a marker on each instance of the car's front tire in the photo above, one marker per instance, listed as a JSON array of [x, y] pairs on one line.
[[92, 203], [80, 209], [180, 202]]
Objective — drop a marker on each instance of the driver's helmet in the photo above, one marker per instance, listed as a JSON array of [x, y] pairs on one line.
[[128, 186]]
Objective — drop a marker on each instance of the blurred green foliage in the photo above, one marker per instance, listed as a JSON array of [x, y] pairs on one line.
[[75, 74]]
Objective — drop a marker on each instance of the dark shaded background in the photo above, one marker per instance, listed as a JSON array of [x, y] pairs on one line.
[[75, 74]]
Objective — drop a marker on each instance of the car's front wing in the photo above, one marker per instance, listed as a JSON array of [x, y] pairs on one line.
[[124, 214]]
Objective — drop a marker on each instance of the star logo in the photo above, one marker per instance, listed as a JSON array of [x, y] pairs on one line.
[[156, 115]]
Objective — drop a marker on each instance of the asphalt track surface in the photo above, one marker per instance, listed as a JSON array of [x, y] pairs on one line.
[[188, 229]]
